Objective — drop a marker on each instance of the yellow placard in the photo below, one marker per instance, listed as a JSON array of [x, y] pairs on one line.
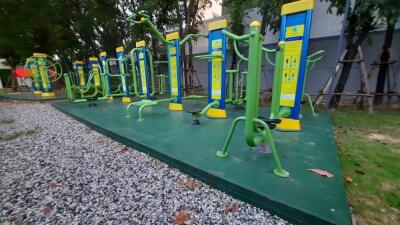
[[290, 72], [95, 70], [81, 76], [43, 73], [216, 70], [35, 76], [173, 72], [143, 73], [294, 31], [297, 6]]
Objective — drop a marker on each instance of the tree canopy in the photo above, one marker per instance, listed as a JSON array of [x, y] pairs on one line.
[[78, 29]]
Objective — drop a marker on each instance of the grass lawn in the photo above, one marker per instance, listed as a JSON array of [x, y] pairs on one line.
[[369, 151]]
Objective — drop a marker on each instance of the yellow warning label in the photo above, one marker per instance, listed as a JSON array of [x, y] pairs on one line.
[[96, 76], [173, 72], [35, 76], [81, 76], [216, 70], [290, 72], [43, 73], [294, 31], [143, 73], [122, 71]]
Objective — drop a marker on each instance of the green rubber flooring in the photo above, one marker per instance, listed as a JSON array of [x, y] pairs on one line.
[[303, 198], [29, 96]]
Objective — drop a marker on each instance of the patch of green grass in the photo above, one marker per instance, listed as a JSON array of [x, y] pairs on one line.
[[6, 121], [17, 135], [369, 151]]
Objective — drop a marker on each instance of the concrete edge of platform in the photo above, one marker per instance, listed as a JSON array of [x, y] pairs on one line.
[[47, 99], [291, 214]]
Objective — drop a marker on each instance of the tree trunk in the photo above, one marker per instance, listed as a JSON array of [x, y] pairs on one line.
[[14, 83], [234, 60], [384, 68], [263, 27], [13, 63], [344, 76], [190, 66]]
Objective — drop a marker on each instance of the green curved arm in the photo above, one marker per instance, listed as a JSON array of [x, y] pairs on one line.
[[267, 50], [54, 63], [133, 64], [208, 57], [145, 19], [209, 106], [191, 37], [107, 68], [316, 56], [313, 58], [238, 52], [236, 37], [265, 135], [160, 62]]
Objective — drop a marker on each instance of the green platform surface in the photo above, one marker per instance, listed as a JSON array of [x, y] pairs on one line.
[[29, 96], [303, 198]]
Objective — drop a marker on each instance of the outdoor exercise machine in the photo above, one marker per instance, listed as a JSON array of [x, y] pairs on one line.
[[257, 130], [143, 71], [122, 75], [36, 84], [218, 96], [173, 44], [216, 58], [45, 71], [80, 89], [291, 64]]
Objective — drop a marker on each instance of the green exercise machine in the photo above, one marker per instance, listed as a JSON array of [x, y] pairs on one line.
[[173, 45], [258, 130], [45, 71], [120, 78], [292, 64], [81, 88]]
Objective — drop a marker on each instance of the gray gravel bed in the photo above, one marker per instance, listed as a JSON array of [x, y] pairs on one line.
[[55, 170]]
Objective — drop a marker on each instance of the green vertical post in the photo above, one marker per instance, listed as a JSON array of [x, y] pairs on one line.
[[68, 87], [253, 80], [276, 86]]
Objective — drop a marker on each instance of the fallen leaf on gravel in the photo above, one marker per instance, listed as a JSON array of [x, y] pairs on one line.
[[156, 177], [349, 179], [181, 218], [323, 173], [157, 162], [191, 183], [124, 150], [46, 210], [53, 184], [232, 208], [180, 181]]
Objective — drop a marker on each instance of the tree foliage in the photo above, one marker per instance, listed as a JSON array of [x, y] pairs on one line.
[[78, 29]]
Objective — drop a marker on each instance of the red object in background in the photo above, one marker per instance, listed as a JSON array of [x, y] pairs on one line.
[[52, 73], [20, 71]]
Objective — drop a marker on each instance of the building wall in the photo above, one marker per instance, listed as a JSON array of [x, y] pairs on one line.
[[324, 68]]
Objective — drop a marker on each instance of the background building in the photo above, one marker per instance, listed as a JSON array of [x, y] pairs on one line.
[[325, 33]]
